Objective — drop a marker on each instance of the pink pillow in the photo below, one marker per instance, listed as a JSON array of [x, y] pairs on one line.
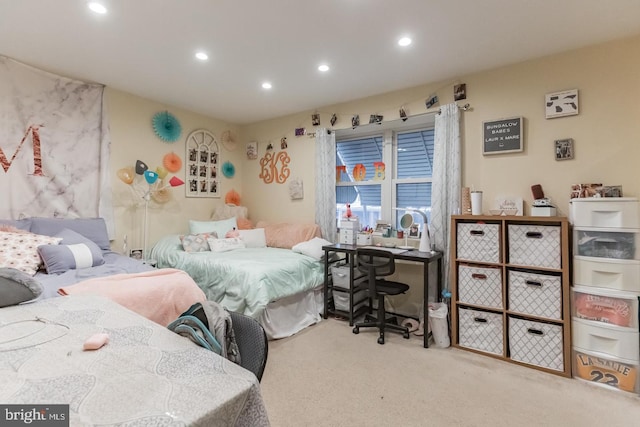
[[286, 235]]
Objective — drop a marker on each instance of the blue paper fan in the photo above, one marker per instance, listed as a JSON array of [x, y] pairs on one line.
[[228, 170], [166, 126]]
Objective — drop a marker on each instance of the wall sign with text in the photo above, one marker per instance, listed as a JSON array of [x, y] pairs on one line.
[[502, 136]]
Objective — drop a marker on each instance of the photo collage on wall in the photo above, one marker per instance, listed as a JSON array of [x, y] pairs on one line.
[[203, 161]]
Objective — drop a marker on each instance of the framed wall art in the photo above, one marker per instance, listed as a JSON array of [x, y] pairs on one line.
[[564, 149], [560, 104], [203, 162], [502, 136]]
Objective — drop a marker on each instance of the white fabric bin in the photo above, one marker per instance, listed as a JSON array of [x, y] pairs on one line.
[[481, 330], [535, 294], [534, 245], [536, 343], [478, 242], [480, 286]]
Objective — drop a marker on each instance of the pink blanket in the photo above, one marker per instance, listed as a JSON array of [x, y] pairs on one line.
[[159, 295]]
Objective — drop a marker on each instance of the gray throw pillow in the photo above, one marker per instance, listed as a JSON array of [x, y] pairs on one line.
[[17, 286]]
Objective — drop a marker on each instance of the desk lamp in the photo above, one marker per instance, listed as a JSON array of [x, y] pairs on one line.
[[425, 240]]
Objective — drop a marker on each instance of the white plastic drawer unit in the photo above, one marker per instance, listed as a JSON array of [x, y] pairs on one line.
[[605, 243], [601, 369], [480, 285], [610, 212], [536, 343], [605, 306], [606, 339], [534, 245], [478, 242], [535, 294], [607, 273]]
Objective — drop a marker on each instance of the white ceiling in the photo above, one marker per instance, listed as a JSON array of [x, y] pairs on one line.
[[147, 47]]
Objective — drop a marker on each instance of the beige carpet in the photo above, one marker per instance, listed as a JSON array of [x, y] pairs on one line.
[[327, 376]]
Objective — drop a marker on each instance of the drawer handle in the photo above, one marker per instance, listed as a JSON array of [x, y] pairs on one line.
[[479, 320], [535, 331], [534, 234], [479, 276], [533, 283], [476, 233]]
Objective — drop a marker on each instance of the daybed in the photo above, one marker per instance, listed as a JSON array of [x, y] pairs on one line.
[[60, 268], [273, 273], [146, 375]]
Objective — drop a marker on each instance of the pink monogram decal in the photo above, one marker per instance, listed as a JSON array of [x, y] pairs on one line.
[[37, 152]]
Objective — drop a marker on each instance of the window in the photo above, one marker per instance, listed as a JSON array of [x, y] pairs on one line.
[[389, 168]]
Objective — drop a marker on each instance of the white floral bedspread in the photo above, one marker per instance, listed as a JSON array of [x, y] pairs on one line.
[[146, 374]]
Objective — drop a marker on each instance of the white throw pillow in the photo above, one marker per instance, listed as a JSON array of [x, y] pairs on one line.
[[312, 248], [224, 245], [254, 238]]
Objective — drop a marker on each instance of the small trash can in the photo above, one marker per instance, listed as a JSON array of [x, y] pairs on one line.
[[439, 324]]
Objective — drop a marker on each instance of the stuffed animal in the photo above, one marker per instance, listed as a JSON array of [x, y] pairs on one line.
[[232, 233]]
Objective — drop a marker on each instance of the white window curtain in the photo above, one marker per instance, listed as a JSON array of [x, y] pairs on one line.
[[326, 183], [446, 182]]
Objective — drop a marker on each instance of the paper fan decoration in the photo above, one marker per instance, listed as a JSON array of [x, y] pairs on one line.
[[232, 197], [228, 140], [228, 170], [172, 162], [166, 126]]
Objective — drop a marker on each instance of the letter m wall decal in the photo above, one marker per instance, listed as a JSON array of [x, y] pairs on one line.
[[37, 153]]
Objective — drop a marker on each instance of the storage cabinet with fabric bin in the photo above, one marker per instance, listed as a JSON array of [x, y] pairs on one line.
[[517, 309], [478, 242], [481, 330], [534, 245], [536, 294], [536, 343], [480, 285]]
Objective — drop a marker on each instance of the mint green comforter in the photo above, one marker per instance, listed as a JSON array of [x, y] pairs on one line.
[[243, 280]]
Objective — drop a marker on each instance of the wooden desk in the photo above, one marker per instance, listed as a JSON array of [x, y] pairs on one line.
[[426, 258]]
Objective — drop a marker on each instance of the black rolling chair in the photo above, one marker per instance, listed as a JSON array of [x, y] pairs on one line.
[[252, 343], [376, 263]]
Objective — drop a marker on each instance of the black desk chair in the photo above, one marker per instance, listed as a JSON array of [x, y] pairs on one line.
[[376, 263], [252, 343]]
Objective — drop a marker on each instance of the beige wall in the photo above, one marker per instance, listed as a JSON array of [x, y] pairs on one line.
[[133, 138], [606, 133]]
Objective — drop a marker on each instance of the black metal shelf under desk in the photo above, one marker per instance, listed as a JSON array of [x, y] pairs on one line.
[[426, 258]]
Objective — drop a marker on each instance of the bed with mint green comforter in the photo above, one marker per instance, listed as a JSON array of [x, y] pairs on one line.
[[243, 280]]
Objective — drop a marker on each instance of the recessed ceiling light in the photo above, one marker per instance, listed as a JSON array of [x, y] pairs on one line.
[[97, 7], [266, 85], [404, 41], [202, 56], [323, 68]]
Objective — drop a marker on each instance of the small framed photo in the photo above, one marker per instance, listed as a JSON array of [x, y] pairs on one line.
[[414, 230], [560, 104], [460, 92], [564, 149], [315, 119], [136, 253], [252, 150]]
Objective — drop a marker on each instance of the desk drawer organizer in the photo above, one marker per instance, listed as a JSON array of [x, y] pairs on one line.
[[341, 300], [480, 330], [534, 245], [535, 294], [341, 274], [604, 370], [605, 306], [480, 286], [536, 343], [619, 244], [478, 242]]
